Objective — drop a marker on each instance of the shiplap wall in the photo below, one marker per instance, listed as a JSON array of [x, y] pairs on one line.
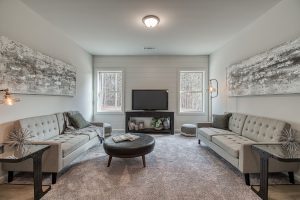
[[151, 72]]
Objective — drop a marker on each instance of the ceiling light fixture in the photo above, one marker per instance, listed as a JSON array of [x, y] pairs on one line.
[[151, 21]]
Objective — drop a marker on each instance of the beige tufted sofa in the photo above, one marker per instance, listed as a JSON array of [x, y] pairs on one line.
[[234, 145], [65, 147]]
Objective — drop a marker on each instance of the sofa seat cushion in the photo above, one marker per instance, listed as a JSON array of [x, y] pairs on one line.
[[209, 132], [91, 131], [231, 143], [70, 142]]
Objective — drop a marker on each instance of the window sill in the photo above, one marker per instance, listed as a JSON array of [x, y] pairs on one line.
[[110, 113], [192, 113]]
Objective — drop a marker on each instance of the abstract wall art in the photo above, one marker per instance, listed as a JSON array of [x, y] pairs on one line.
[[276, 71], [27, 71]]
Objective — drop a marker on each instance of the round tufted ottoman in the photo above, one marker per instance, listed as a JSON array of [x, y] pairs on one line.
[[189, 130], [129, 149]]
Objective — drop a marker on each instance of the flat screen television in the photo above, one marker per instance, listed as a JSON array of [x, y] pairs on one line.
[[149, 99]]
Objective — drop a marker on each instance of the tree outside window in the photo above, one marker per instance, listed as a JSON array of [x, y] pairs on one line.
[[109, 91], [191, 97]]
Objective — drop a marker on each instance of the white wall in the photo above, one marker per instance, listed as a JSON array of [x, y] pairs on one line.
[[279, 24], [18, 22], [151, 72]]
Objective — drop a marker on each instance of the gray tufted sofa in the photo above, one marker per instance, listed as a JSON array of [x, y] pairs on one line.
[[234, 145], [65, 147]]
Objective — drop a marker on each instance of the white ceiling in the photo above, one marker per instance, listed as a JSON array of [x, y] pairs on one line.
[[114, 27]]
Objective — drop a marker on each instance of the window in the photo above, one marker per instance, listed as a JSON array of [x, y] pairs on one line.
[[109, 91], [191, 94]]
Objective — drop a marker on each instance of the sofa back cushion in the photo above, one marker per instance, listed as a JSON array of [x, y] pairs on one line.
[[42, 127], [221, 121], [236, 122], [262, 129], [78, 121]]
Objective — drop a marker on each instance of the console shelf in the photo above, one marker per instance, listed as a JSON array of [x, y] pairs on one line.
[[157, 114]]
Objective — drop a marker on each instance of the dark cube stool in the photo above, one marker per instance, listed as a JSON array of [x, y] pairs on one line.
[[129, 149]]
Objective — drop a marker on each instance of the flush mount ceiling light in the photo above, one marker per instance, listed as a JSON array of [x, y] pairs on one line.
[[151, 21]]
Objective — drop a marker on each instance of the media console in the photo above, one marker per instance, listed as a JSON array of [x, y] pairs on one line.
[[156, 114]]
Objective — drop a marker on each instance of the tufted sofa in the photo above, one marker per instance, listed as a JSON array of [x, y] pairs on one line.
[[64, 146], [234, 145]]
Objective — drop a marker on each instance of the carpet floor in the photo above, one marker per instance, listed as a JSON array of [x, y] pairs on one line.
[[177, 169]]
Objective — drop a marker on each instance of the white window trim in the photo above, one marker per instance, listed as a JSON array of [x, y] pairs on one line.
[[204, 71], [96, 74]]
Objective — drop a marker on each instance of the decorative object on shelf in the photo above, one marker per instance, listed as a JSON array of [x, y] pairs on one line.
[[131, 125], [27, 71], [150, 21], [166, 123], [8, 99], [136, 127], [288, 137], [272, 72], [19, 137], [157, 123], [141, 125], [213, 88]]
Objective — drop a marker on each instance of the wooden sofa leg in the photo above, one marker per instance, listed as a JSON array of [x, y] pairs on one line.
[[199, 141], [247, 178], [291, 177], [10, 176], [54, 177]]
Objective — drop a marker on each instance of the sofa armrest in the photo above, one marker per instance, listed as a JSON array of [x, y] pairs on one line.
[[249, 159], [100, 124], [52, 157], [204, 124]]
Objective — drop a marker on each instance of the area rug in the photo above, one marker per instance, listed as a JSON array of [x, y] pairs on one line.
[[178, 169]]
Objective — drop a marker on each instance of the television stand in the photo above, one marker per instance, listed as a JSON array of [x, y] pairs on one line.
[[157, 114]]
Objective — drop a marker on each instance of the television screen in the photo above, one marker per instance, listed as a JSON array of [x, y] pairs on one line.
[[149, 99]]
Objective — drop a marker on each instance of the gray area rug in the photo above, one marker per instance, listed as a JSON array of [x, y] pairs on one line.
[[177, 169]]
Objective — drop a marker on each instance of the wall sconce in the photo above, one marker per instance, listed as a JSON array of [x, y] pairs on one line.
[[8, 99], [213, 88]]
